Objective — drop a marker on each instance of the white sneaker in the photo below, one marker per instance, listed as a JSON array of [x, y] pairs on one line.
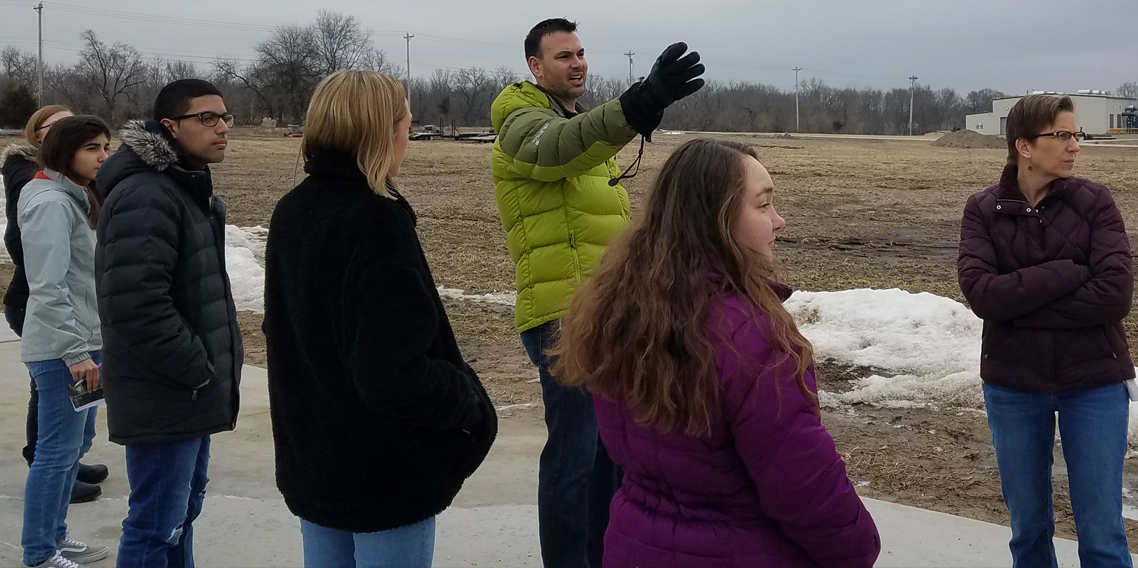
[[57, 561], [76, 551]]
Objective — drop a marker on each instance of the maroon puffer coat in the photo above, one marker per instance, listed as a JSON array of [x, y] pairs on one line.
[[1046, 327]]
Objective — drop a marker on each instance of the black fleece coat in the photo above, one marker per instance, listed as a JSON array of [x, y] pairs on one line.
[[18, 166], [1047, 327], [172, 351], [377, 419]]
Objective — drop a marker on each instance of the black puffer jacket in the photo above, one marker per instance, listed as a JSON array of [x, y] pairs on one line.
[[18, 163], [172, 351], [377, 419]]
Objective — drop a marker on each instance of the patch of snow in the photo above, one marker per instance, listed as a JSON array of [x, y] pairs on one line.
[[923, 349], [499, 298], [244, 261], [926, 348]]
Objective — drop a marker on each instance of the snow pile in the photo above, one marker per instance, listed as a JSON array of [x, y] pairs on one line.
[[924, 348], [497, 298], [3, 221], [244, 261]]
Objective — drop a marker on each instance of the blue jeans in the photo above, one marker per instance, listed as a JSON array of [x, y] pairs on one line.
[[412, 546], [167, 488], [64, 437], [1092, 427], [576, 479]]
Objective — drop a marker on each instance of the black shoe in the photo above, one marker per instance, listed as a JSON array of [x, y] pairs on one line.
[[92, 473], [85, 492]]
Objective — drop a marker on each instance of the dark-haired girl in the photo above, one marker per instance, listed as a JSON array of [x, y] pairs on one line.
[[61, 342]]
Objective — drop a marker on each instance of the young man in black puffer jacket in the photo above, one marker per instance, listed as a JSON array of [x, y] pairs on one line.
[[172, 350]]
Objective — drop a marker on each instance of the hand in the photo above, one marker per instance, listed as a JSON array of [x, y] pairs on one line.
[[86, 370], [672, 78], [1085, 273]]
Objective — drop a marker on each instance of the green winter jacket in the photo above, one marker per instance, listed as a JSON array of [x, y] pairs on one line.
[[551, 184]]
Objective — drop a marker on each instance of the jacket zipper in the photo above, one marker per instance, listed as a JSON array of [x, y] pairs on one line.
[[576, 258], [233, 330]]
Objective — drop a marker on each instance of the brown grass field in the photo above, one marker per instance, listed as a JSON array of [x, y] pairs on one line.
[[860, 213]]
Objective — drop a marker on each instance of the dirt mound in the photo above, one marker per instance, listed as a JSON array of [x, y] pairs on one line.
[[971, 140]]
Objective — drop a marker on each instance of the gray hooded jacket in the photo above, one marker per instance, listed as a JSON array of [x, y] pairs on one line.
[[62, 319]]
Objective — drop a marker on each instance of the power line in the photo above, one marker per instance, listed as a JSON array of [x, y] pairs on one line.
[[630, 54]]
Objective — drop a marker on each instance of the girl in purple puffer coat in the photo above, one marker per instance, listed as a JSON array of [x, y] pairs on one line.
[[704, 388]]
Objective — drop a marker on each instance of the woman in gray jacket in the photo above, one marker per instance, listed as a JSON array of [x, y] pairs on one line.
[[57, 211]]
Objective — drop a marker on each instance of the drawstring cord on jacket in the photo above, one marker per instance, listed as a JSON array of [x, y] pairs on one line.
[[636, 163]]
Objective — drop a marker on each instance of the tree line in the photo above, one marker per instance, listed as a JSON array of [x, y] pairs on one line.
[[118, 83]]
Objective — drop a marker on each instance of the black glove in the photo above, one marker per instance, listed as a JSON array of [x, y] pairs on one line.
[[1084, 273], [670, 80]]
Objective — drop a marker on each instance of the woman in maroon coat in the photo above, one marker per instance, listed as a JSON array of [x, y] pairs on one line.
[[704, 387], [1045, 262]]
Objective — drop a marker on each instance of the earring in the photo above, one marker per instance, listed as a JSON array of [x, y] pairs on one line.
[[1029, 168]]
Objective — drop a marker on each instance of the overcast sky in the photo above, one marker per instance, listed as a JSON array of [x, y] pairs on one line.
[[1010, 45]]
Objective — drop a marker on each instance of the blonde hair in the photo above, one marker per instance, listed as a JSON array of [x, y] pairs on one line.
[[355, 111], [37, 120]]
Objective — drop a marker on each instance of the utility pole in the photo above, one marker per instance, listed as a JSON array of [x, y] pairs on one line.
[[797, 123], [39, 83], [407, 36], [630, 54], [912, 90]]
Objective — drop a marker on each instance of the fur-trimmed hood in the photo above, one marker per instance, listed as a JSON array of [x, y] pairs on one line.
[[147, 141], [148, 147], [25, 151]]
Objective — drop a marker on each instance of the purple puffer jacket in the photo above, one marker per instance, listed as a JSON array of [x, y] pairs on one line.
[[766, 488], [1047, 328]]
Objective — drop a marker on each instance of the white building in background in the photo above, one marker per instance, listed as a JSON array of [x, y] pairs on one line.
[[1096, 112]]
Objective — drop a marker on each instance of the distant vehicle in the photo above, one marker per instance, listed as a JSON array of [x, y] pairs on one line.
[[428, 132], [294, 131]]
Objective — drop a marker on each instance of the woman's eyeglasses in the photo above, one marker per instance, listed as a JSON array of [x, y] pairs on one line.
[[1063, 135]]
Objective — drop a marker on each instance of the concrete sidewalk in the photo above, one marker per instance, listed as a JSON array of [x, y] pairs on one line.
[[492, 523]]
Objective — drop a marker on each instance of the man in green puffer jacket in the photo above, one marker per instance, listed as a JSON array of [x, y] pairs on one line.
[[557, 186]]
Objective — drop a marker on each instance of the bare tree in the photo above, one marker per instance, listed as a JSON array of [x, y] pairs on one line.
[[471, 84], [18, 66], [981, 101], [286, 70], [376, 60], [1128, 90], [338, 42], [110, 70]]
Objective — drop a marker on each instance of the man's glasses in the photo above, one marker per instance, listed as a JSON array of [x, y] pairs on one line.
[[1063, 136], [207, 118]]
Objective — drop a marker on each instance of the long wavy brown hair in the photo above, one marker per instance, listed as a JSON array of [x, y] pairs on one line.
[[635, 332]]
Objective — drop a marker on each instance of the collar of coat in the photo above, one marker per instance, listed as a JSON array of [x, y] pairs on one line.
[[1008, 190], [147, 140], [153, 145], [25, 151], [74, 190]]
